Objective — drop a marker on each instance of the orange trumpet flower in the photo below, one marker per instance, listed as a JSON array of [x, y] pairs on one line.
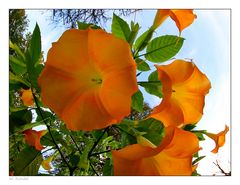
[[184, 90], [27, 97], [182, 18], [33, 137], [88, 79], [172, 157], [218, 138]]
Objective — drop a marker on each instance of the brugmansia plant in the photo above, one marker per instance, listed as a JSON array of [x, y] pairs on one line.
[[72, 115]]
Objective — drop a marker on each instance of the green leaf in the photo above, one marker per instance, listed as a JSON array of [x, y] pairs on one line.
[[142, 65], [108, 168], [120, 28], [74, 159], [84, 162], [17, 65], [35, 45], [153, 86], [30, 125], [189, 127], [84, 26], [199, 135], [133, 34], [20, 118], [33, 56], [13, 79], [17, 49], [198, 159], [142, 41], [163, 48], [153, 128], [28, 162], [137, 101]]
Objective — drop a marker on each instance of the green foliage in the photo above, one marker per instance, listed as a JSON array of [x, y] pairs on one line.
[[137, 101], [120, 28], [153, 86], [108, 168], [84, 26], [142, 41], [198, 159], [18, 24], [153, 130], [163, 48], [142, 65], [33, 56], [28, 162], [133, 34]]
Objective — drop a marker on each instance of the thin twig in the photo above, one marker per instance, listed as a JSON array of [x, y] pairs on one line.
[[95, 144], [49, 130]]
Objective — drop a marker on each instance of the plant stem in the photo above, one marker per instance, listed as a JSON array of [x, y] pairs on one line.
[[75, 144], [93, 168], [95, 144], [49, 130]]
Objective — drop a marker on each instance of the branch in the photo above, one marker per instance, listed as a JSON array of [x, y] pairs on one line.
[[95, 144], [49, 130]]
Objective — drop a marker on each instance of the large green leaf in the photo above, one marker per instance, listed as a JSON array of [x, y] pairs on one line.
[[13, 79], [163, 48], [28, 162], [35, 45], [153, 86], [120, 28], [142, 41], [137, 101], [108, 168], [18, 50], [17, 65], [153, 129], [33, 56]]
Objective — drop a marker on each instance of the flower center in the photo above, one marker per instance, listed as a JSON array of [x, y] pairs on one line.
[[96, 80]]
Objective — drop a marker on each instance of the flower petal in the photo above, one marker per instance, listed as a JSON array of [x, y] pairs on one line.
[[70, 52], [160, 17], [87, 112], [218, 138], [108, 52], [27, 97], [173, 157], [33, 137], [182, 18], [117, 90], [184, 90]]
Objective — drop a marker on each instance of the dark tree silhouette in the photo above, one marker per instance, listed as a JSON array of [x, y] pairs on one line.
[[69, 17]]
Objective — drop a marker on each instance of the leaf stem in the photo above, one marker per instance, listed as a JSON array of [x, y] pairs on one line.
[[95, 144], [49, 130]]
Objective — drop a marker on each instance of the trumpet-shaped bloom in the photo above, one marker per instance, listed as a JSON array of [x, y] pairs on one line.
[[88, 79], [27, 97], [46, 163], [33, 137], [182, 18], [184, 90], [172, 157], [218, 138]]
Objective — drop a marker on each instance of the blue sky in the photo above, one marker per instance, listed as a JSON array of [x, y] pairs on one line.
[[208, 44]]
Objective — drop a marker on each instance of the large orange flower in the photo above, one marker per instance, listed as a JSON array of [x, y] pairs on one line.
[[184, 90], [33, 137], [172, 157], [219, 138], [182, 18], [89, 79]]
